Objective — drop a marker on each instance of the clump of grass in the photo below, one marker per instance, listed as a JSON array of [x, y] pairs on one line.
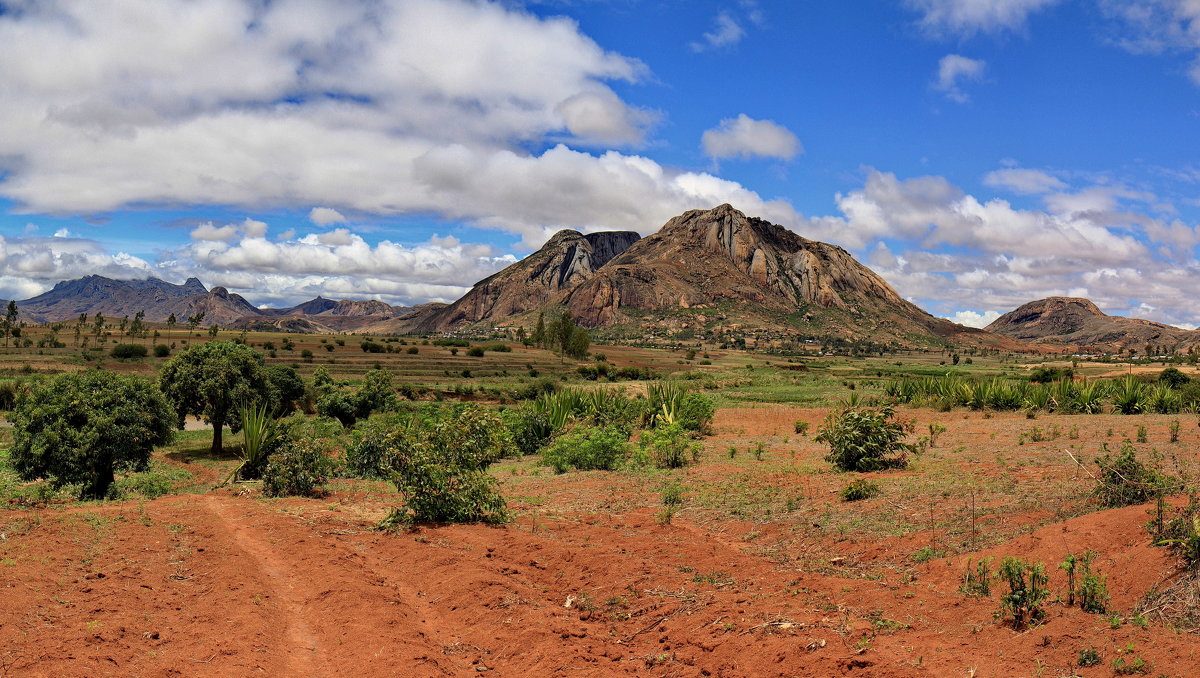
[[860, 489]]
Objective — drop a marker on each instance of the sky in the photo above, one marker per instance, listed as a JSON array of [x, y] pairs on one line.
[[978, 154]]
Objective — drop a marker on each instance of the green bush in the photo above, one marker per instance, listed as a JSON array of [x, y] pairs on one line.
[[298, 466], [864, 440], [336, 405], [1125, 481], [859, 490], [588, 449], [161, 350], [531, 429], [1026, 592], [369, 453], [475, 352], [128, 351], [667, 447], [441, 469]]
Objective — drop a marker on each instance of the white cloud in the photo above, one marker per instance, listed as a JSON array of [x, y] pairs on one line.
[[745, 137], [968, 17], [974, 318], [1024, 181], [30, 265], [726, 32], [953, 69], [600, 117], [214, 233], [1157, 26], [324, 216]]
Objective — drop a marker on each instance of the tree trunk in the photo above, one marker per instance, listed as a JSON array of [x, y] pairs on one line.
[[218, 425], [103, 479]]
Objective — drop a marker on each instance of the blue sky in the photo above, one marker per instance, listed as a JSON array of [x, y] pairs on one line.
[[976, 153]]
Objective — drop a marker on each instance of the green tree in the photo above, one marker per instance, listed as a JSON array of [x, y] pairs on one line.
[[286, 386], [82, 427], [213, 380], [170, 325], [138, 326], [539, 332], [10, 322], [98, 323]]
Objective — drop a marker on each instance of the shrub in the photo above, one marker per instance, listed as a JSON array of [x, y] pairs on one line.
[[1125, 481], [475, 352], [1173, 377], [977, 580], [335, 404], [8, 394], [1046, 375], [369, 453], [128, 351], [531, 429], [376, 394], [83, 427], [1026, 592], [667, 447], [1088, 657], [588, 449], [285, 388], [161, 350], [859, 490], [412, 350], [441, 468], [371, 347], [498, 348], [864, 440], [801, 427], [297, 466]]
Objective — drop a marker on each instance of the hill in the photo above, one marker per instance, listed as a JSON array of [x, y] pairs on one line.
[[1079, 322]]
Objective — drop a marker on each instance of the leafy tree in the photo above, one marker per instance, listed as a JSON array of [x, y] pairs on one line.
[[82, 427], [194, 321], [98, 323], [286, 386], [322, 382], [138, 325], [171, 324], [213, 380], [10, 322], [539, 332], [1173, 377]]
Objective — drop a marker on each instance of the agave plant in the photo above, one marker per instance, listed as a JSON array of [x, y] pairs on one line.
[[1037, 397], [1163, 399], [666, 403], [258, 430], [1089, 397], [1129, 396]]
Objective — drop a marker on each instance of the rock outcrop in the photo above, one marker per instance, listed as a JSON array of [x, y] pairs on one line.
[[1079, 322], [566, 260]]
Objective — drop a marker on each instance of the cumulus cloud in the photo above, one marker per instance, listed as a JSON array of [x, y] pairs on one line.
[[974, 318], [953, 69], [350, 105], [30, 265], [726, 32], [745, 137], [1024, 181], [965, 18], [324, 216]]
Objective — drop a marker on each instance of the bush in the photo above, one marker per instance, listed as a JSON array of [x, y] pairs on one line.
[[161, 350], [8, 394], [371, 347], [859, 490], [369, 453], [588, 449], [667, 447], [1048, 375], [128, 351], [531, 429], [475, 352], [1026, 592], [1173, 377], [441, 468], [801, 427], [1125, 481], [297, 467], [865, 440], [412, 350], [335, 404], [83, 427]]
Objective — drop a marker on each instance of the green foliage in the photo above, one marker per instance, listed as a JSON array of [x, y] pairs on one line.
[[8, 393], [1026, 592], [369, 453], [669, 403], [977, 580], [801, 427], [376, 394], [1173, 377], [286, 388], [161, 350], [1132, 667], [667, 447], [297, 467], [441, 468], [1125, 481], [258, 431], [864, 440], [82, 427], [1046, 375], [371, 347], [588, 449], [1129, 396], [337, 405], [1093, 588], [213, 380], [859, 489], [1088, 657], [128, 351]]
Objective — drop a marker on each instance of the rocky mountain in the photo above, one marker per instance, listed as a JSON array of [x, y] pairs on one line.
[[344, 307], [1079, 322], [116, 298], [566, 260]]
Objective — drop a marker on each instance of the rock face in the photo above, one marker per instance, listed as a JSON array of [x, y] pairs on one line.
[[1075, 321], [566, 260], [218, 305], [708, 256]]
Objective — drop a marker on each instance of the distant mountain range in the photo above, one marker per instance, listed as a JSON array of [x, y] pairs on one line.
[[716, 274]]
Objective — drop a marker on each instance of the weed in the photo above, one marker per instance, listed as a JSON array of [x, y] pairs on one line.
[[1027, 592], [927, 553], [1141, 434], [859, 489], [1174, 431], [759, 450], [1125, 481], [1088, 657], [977, 581], [801, 427]]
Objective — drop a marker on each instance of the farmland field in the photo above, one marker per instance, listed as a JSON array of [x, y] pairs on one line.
[[757, 568]]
